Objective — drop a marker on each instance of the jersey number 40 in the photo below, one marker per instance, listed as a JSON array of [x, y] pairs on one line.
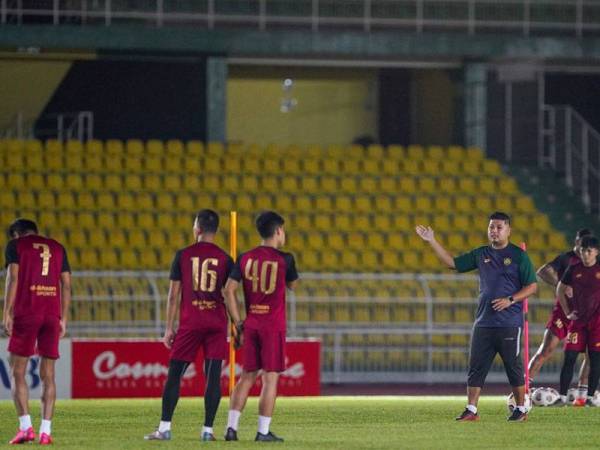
[[268, 275]]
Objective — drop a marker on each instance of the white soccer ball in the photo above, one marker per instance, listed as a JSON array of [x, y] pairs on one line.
[[511, 404], [544, 396], [572, 394], [596, 399]]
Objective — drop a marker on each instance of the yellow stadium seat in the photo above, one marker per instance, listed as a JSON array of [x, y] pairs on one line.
[[172, 182], [503, 203], [16, 180], [415, 152], [133, 163], [483, 204], [86, 220], [94, 146], [396, 152], [524, 204], [153, 164], [151, 182], [126, 202], [174, 147], [392, 167], [423, 203], [363, 203], [85, 200], [508, 186], [248, 184], [92, 162], [348, 184], [65, 200], [350, 166], [323, 203], [164, 201], [403, 203], [54, 146], [356, 240], [133, 182], [145, 221], [436, 152], [342, 222], [491, 167], [34, 180], [47, 199], [88, 258], [383, 204], [106, 220], [411, 167], [155, 147], [396, 241], [370, 167], [388, 185], [113, 182], [328, 184], [463, 203], [34, 160], [105, 201], [309, 184], [450, 167], [427, 185], [348, 260], [74, 181], [456, 152], [407, 185], [486, 185], [431, 167]]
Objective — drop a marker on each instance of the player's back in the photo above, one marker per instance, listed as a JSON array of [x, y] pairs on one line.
[[585, 282], [265, 272], [203, 269], [41, 261]]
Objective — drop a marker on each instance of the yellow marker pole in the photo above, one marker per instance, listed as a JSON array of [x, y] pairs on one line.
[[233, 253]]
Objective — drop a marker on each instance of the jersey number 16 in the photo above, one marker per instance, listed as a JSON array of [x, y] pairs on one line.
[[203, 277]]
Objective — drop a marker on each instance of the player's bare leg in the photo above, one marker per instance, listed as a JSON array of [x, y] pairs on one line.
[[20, 394], [582, 385], [237, 403], [266, 406], [473, 394], [547, 347], [48, 399]]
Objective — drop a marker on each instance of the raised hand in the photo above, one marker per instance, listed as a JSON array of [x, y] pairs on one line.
[[426, 233]]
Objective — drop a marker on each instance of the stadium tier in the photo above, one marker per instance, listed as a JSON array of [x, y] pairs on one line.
[[129, 205]]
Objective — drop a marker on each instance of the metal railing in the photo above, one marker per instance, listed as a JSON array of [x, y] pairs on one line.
[[571, 146], [524, 17], [77, 126], [373, 327]]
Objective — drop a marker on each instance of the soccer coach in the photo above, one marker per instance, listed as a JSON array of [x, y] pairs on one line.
[[506, 278]]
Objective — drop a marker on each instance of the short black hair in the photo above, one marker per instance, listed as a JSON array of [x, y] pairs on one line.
[[583, 232], [207, 220], [499, 215], [21, 226], [267, 222], [590, 241]]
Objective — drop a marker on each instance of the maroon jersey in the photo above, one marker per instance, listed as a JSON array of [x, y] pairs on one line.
[[41, 261], [562, 262], [203, 269], [585, 282], [265, 271]]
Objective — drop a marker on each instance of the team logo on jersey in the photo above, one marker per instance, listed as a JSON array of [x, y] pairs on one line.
[[507, 261], [578, 275], [486, 260]]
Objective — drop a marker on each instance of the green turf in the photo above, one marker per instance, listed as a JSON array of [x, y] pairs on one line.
[[322, 423]]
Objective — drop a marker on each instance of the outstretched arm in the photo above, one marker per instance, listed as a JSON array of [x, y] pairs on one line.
[[427, 234]]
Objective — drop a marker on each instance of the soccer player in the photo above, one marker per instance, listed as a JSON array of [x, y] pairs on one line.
[[264, 272], [36, 303], [506, 278], [198, 274], [584, 329], [556, 328]]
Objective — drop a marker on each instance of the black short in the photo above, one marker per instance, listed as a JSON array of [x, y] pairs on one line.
[[485, 344]]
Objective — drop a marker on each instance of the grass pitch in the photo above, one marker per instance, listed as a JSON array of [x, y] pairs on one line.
[[319, 423]]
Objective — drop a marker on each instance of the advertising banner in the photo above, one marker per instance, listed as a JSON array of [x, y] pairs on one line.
[[138, 368]]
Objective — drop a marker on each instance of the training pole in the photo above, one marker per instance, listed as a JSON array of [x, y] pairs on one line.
[[233, 253], [526, 334]]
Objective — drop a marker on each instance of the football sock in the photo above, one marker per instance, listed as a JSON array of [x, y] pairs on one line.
[[46, 426], [582, 390], [171, 391], [566, 373], [263, 424], [212, 393], [206, 429], [164, 426], [233, 419], [594, 377], [24, 422], [472, 408]]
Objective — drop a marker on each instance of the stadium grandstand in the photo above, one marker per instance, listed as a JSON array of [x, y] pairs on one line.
[[356, 120]]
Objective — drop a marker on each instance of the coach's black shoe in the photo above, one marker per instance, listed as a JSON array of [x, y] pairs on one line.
[[269, 437], [231, 434], [517, 416], [468, 416]]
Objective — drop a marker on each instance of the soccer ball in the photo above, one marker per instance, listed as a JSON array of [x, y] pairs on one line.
[[511, 404], [572, 394], [544, 396], [596, 399]]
